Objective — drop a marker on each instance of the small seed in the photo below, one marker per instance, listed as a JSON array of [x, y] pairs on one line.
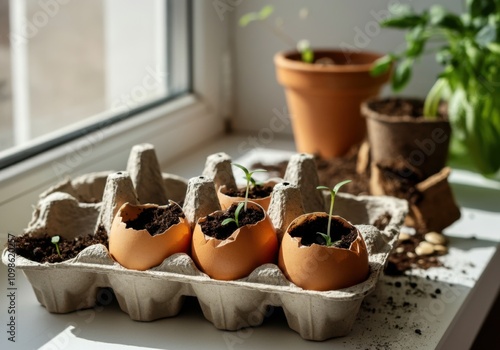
[[424, 248], [400, 250], [441, 249], [435, 238], [404, 237], [411, 254]]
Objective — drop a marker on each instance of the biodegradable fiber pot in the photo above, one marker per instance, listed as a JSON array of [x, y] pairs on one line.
[[249, 247], [324, 100], [421, 142], [226, 201], [321, 268], [138, 249]]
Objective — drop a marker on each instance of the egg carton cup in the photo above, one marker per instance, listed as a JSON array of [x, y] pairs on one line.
[[79, 206]]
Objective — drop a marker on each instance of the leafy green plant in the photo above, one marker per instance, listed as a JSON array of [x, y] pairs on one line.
[[55, 240], [333, 193], [468, 48], [303, 46], [243, 205]]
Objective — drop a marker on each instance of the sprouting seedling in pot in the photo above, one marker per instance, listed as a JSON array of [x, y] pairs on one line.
[[236, 216], [333, 193], [303, 46], [55, 240], [249, 179]]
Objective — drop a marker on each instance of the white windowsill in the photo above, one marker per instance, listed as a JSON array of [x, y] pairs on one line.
[[451, 320]]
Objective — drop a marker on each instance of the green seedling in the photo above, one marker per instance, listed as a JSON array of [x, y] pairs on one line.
[[236, 216], [55, 240], [333, 193], [249, 179], [303, 46]]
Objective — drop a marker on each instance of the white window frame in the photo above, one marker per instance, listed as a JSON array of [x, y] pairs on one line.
[[174, 128]]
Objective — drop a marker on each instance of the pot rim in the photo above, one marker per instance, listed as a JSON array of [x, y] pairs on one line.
[[282, 59], [369, 113], [303, 217]]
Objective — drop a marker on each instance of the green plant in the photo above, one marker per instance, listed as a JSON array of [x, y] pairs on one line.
[[333, 193], [468, 48], [302, 46], [55, 240], [250, 181]]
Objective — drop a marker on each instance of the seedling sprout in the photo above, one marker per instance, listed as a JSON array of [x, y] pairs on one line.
[[55, 240], [333, 193]]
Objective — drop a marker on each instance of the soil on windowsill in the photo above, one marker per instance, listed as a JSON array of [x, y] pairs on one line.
[[42, 250], [213, 227]]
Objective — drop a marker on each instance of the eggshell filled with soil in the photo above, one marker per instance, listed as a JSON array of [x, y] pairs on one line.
[[226, 200], [235, 257], [318, 267], [145, 247]]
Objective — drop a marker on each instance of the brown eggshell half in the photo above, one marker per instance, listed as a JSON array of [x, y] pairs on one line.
[[226, 201], [321, 268], [137, 249], [237, 256]]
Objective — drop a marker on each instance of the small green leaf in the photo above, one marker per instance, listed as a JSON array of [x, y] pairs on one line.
[[381, 65], [327, 238], [323, 188], [339, 185], [237, 212], [55, 239], [307, 56], [265, 12], [487, 35], [248, 18], [402, 74], [228, 221]]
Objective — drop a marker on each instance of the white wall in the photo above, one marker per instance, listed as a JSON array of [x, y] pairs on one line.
[[329, 24]]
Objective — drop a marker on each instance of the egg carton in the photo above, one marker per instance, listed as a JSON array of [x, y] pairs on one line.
[[79, 206]]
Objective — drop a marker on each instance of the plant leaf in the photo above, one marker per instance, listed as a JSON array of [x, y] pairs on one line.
[[248, 18], [487, 35], [340, 184], [55, 239], [402, 74], [227, 221], [266, 11], [381, 65]]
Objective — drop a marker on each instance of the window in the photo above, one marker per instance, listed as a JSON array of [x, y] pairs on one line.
[[70, 67]]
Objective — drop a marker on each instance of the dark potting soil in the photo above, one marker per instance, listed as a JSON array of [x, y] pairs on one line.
[[341, 235], [41, 249], [400, 180], [255, 192], [156, 220], [213, 227], [400, 107]]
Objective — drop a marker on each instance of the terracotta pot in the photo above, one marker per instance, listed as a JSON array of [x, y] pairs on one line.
[[137, 249], [318, 267], [226, 201], [420, 142], [237, 256], [324, 100]]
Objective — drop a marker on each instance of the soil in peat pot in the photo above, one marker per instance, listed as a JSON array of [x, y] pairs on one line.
[[156, 220], [341, 236], [42, 250], [213, 227], [404, 107], [255, 192]]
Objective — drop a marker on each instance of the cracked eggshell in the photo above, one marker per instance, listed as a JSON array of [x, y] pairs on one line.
[[322, 268], [249, 247], [226, 201], [137, 249]]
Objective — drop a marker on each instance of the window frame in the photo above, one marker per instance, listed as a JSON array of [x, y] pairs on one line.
[[174, 127]]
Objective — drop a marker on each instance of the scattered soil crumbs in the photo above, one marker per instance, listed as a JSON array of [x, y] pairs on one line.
[[156, 220], [42, 250], [404, 258], [341, 235], [255, 192], [382, 221], [213, 227], [400, 180]]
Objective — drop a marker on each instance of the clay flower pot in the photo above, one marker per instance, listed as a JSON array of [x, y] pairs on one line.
[[318, 267], [138, 249], [226, 201], [324, 100], [247, 248]]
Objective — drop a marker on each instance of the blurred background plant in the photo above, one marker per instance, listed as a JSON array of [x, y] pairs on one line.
[[468, 48]]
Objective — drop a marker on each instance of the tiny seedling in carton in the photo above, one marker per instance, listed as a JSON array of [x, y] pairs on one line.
[[250, 180], [55, 240], [333, 193]]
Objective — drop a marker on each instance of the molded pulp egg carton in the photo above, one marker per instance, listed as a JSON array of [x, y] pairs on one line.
[[79, 206]]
